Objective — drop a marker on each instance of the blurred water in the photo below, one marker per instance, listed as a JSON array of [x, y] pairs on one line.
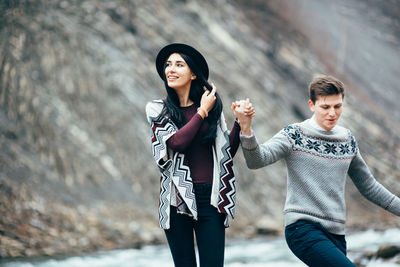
[[248, 253]]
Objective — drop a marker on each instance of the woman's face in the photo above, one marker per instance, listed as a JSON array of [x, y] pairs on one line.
[[178, 74]]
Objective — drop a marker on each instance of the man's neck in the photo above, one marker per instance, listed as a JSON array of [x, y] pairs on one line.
[[316, 125]]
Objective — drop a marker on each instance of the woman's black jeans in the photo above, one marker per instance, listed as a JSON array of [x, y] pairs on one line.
[[209, 230], [315, 246]]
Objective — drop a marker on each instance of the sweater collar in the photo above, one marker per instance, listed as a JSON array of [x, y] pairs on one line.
[[316, 126]]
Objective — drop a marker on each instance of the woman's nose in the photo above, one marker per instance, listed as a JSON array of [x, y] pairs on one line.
[[171, 68]]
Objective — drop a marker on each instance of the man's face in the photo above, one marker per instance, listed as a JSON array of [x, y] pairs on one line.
[[327, 110]]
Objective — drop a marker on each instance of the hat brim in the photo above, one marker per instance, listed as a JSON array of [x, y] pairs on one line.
[[195, 55]]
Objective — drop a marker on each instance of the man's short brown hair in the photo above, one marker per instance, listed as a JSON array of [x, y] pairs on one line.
[[323, 86]]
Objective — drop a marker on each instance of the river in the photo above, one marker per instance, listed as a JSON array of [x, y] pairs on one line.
[[258, 252]]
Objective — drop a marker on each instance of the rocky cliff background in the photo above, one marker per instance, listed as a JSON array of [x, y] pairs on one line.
[[76, 171]]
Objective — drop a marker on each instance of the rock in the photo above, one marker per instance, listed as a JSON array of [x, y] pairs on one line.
[[3, 253], [76, 166], [388, 251], [266, 226], [267, 231]]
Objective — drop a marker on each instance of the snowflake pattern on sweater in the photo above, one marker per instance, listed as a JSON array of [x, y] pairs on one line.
[[338, 149]]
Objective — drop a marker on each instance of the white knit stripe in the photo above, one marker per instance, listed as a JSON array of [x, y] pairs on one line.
[[164, 208], [175, 172], [183, 182]]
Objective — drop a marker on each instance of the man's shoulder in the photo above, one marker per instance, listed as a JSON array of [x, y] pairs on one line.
[[342, 128], [343, 131], [292, 127]]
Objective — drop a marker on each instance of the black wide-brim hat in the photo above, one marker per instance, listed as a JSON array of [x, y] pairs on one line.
[[195, 55]]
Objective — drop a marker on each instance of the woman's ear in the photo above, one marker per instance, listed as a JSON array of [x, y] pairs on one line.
[[193, 77]]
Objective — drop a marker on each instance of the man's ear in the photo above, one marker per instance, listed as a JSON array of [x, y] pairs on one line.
[[311, 105]]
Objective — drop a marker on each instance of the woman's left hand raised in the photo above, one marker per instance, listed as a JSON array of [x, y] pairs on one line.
[[207, 101]]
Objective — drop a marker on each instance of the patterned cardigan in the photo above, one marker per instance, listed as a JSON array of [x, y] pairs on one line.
[[176, 181]]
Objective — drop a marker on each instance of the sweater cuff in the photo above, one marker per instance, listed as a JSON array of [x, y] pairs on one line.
[[236, 124], [199, 116], [394, 205], [248, 142]]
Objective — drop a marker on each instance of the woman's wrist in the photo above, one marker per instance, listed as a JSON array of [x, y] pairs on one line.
[[237, 121], [203, 112]]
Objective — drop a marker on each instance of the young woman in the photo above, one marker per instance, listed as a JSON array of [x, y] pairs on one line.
[[193, 150], [319, 155]]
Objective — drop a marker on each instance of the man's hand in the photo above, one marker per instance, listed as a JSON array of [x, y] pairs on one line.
[[244, 112]]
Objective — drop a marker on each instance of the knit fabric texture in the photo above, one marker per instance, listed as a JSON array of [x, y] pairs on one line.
[[176, 184], [318, 162]]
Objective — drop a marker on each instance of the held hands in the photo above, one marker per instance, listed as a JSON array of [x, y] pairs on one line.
[[207, 101], [244, 112]]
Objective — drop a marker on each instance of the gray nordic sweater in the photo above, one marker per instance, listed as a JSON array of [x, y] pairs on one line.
[[318, 162]]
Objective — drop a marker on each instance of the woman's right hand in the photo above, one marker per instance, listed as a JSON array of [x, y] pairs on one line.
[[207, 101]]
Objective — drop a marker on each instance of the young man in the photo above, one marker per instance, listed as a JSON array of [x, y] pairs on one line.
[[319, 154]]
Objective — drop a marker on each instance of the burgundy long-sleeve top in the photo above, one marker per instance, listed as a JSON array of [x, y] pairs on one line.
[[198, 155]]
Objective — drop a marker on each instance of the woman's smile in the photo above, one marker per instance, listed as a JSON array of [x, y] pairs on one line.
[[179, 76]]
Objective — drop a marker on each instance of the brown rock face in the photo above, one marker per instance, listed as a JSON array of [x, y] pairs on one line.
[[76, 170]]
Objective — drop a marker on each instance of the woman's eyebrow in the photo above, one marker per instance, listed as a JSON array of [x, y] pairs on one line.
[[178, 61]]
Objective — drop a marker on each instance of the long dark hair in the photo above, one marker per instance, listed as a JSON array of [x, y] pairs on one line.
[[172, 108]]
